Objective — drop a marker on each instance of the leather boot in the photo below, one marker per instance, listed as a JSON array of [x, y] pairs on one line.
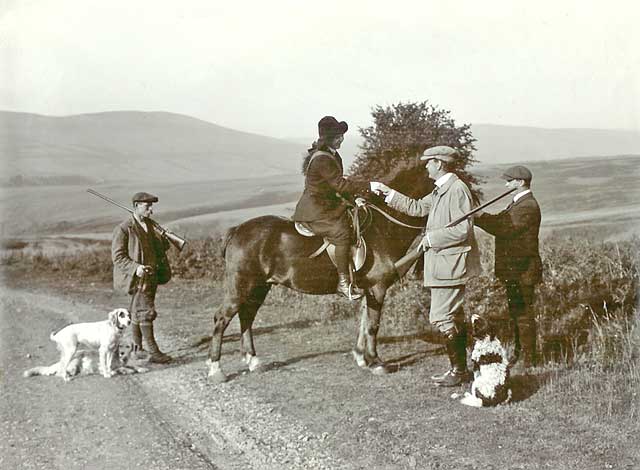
[[457, 352], [155, 355], [347, 289], [137, 351], [528, 340]]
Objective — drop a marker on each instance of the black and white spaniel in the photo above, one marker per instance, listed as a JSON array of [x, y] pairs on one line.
[[490, 385]]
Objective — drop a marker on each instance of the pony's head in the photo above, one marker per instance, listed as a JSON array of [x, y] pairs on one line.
[[411, 180]]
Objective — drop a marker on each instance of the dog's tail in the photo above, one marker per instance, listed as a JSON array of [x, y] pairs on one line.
[[42, 370]]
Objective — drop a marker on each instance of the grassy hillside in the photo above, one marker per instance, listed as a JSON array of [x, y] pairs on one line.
[[150, 147]]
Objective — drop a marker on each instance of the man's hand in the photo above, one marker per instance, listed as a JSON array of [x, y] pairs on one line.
[[379, 188], [142, 270], [423, 245]]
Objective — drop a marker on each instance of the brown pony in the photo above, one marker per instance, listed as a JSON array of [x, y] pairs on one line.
[[267, 250]]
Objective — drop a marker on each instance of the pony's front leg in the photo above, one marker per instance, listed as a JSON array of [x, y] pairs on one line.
[[366, 350]]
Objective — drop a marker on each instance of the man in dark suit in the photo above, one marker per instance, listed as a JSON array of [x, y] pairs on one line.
[[139, 265], [321, 205], [517, 258]]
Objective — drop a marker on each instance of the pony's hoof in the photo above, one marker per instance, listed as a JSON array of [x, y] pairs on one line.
[[359, 359], [255, 364], [217, 378], [380, 369], [215, 374]]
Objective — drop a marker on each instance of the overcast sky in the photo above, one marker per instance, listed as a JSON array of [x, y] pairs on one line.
[[276, 67]]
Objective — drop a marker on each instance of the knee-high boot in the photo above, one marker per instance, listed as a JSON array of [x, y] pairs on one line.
[[136, 338], [345, 287], [457, 351], [155, 355]]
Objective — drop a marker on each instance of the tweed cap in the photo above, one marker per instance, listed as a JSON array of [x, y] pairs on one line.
[[144, 197], [517, 172], [441, 152], [329, 126]]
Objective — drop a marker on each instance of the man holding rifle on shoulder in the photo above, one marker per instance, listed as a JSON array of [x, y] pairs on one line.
[[451, 254], [517, 258], [140, 264]]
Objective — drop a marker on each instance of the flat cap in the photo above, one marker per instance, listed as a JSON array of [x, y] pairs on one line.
[[441, 152], [329, 126], [517, 172], [144, 197]]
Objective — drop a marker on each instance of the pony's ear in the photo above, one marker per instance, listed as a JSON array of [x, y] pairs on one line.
[[113, 318]]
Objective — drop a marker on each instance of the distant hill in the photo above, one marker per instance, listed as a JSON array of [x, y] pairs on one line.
[[508, 144], [160, 147], [140, 146]]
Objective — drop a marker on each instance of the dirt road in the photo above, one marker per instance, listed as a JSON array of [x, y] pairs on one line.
[[312, 408]]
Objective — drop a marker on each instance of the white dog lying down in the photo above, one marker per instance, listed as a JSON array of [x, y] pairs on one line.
[[86, 363], [104, 336], [490, 385]]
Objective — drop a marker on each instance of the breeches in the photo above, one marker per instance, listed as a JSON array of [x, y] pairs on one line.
[[337, 231], [447, 307], [520, 299], [143, 309]]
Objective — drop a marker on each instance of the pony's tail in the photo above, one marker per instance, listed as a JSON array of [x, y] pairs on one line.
[[227, 238]]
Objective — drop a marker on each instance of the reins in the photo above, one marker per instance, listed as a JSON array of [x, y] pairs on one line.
[[391, 218]]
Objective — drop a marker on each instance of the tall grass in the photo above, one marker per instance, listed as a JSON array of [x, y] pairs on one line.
[[587, 312]]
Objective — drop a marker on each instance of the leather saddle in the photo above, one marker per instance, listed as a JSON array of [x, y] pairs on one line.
[[358, 251]]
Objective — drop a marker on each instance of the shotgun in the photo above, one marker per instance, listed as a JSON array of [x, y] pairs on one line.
[[479, 208], [404, 264], [171, 237]]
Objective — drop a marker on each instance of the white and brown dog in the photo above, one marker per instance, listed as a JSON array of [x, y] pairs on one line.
[[103, 335], [490, 385], [86, 363]]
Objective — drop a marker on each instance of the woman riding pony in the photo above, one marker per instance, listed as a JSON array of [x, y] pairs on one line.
[[321, 206]]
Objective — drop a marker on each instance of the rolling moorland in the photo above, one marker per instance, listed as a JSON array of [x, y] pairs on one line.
[[598, 192], [209, 177]]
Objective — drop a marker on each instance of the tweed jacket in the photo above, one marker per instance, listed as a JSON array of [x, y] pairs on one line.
[[516, 230], [454, 256], [324, 189], [127, 254]]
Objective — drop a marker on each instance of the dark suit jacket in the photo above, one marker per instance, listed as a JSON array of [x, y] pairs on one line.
[[127, 254], [516, 230], [323, 187]]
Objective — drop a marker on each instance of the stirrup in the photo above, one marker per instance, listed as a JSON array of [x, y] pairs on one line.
[[350, 294]]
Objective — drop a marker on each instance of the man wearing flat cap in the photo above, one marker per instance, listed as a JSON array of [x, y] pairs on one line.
[[139, 265], [517, 258], [451, 255], [321, 205]]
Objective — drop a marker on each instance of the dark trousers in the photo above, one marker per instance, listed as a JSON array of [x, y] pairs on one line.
[[520, 298]]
